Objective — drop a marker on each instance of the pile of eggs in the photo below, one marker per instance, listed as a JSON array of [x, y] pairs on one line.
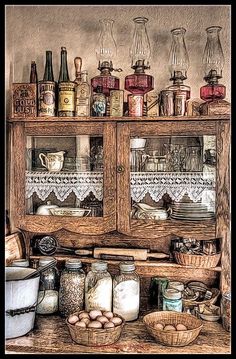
[[95, 319], [170, 327]]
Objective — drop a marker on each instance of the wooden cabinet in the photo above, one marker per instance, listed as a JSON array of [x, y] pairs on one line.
[[116, 227]]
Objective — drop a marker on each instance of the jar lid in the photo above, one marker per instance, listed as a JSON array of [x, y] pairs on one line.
[[20, 263], [45, 260], [73, 263], [99, 265], [176, 285], [172, 294], [127, 266]]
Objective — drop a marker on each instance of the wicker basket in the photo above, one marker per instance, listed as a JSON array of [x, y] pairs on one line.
[[193, 303], [194, 260], [173, 338], [94, 336]]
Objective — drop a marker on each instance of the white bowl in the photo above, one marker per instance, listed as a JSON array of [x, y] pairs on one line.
[[67, 211]]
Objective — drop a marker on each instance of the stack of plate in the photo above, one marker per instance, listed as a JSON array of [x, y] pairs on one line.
[[191, 211]]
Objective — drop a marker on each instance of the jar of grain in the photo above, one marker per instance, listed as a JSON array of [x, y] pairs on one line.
[[172, 300], [48, 288], [71, 291], [126, 292], [98, 287]]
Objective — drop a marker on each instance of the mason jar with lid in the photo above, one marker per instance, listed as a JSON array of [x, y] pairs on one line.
[[71, 291], [172, 300], [48, 288], [20, 263], [98, 287], [126, 292]]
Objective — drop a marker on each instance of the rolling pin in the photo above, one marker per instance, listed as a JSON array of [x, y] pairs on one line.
[[133, 253]]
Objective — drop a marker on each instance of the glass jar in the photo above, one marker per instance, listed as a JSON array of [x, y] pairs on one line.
[[172, 300], [98, 287], [20, 263], [71, 291], [48, 288], [225, 310], [126, 292]]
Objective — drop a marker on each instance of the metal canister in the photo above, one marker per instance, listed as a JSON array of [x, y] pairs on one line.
[[156, 290], [47, 94], [116, 103], [180, 103], [167, 103], [135, 103], [152, 104], [66, 99]]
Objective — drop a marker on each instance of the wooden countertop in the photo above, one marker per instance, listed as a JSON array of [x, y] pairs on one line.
[[51, 335]]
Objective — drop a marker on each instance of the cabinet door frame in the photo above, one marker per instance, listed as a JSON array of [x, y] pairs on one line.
[[48, 224]]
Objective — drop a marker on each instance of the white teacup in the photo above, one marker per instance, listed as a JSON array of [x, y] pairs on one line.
[[52, 161]]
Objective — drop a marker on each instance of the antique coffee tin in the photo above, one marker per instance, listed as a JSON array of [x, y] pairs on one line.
[[152, 104], [180, 103], [116, 103], [166, 103], [135, 104], [24, 100], [46, 102], [66, 99]]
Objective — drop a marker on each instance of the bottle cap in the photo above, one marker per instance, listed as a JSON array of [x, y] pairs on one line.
[[99, 265], [127, 266], [73, 263], [176, 285], [172, 294], [45, 260]]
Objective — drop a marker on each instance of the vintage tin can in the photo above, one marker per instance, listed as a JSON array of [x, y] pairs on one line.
[[66, 99], [24, 100], [180, 103], [152, 104], [116, 103], [166, 103], [46, 102], [156, 290], [135, 104]]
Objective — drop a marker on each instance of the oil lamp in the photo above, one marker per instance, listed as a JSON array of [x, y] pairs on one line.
[[140, 83], [213, 62], [106, 52]]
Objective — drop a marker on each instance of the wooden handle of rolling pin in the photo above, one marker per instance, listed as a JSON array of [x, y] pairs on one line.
[[83, 252], [158, 255]]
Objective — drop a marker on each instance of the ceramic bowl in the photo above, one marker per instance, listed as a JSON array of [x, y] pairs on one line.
[[66, 211]]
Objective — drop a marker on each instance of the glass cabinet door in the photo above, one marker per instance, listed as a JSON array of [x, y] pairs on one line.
[[68, 177], [171, 181]]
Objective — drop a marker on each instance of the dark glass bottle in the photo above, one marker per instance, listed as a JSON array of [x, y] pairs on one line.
[[48, 72], [63, 75], [33, 73]]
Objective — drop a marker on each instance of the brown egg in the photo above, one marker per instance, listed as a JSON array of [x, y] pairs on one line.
[[169, 328], [108, 314], [94, 313], [102, 319], [116, 320], [73, 319], [83, 315], [181, 327], [85, 320], [95, 324], [159, 326], [108, 325], [81, 324]]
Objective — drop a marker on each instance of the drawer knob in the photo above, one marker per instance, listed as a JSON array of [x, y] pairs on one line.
[[120, 169]]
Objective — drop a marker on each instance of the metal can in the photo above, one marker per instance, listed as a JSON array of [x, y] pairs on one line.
[[66, 99], [156, 290], [47, 103], [180, 103], [152, 104], [135, 103], [167, 103], [116, 103]]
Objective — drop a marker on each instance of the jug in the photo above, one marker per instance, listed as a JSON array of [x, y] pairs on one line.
[[52, 161]]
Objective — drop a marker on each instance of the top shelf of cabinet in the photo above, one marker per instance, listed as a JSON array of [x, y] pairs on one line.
[[121, 119]]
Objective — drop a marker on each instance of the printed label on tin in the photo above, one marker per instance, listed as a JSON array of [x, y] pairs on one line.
[[66, 101], [116, 103], [46, 99], [24, 102], [135, 103]]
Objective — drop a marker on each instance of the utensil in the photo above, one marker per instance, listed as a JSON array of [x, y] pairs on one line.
[[48, 245]]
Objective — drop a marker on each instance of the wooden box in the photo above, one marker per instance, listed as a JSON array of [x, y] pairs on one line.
[[24, 100]]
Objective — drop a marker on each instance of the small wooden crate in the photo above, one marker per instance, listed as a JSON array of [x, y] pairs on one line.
[[94, 336], [24, 100], [173, 338]]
